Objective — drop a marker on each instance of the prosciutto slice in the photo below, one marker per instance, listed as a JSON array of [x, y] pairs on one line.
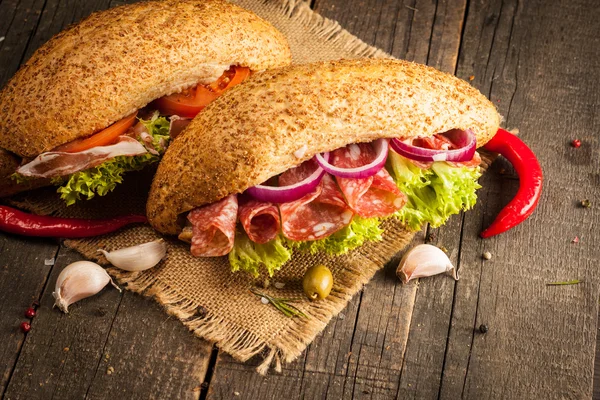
[[316, 215], [259, 219], [376, 196], [177, 125], [213, 227], [60, 163]]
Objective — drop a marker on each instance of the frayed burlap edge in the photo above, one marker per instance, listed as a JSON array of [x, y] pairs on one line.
[[287, 344], [328, 30]]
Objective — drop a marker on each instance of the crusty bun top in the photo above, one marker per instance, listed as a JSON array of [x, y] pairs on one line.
[[117, 61], [251, 133]]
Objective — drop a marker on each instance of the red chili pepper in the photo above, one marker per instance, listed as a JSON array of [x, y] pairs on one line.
[[21, 223], [530, 182]]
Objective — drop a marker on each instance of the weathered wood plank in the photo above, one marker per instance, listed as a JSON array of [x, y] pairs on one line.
[[149, 355], [23, 274], [62, 346], [539, 63], [18, 20]]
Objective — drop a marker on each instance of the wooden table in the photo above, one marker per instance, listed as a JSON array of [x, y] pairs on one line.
[[539, 62]]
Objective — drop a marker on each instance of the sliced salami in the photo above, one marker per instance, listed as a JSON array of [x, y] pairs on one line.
[[259, 219], [316, 215], [213, 227], [377, 196]]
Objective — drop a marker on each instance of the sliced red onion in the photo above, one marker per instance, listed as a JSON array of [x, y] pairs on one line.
[[465, 140], [285, 194], [365, 171]]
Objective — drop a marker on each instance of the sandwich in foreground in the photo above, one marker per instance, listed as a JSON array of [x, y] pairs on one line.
[[105, 96], [313, 157]]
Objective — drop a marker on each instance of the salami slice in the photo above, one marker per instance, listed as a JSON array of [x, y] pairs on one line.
[[376, 196], [213, 227], [316, 215], [259, 219]]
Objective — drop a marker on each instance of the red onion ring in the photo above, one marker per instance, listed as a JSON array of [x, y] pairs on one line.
[[464, 140], [365, 171], [285, 194]]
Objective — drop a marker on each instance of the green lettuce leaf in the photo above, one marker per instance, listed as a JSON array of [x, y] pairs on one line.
[[354, 235], [433, 194], [105, 177], [250, 257]]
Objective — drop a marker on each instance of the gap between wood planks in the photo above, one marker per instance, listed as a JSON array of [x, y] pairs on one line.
[[22, 343]]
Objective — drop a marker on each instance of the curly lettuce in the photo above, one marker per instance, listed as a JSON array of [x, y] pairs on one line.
[[250, 256], [359, 231], [104, 178], [433, 194]]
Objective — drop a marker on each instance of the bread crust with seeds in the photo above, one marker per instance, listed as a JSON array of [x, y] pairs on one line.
[[252, 132], [117, 61]]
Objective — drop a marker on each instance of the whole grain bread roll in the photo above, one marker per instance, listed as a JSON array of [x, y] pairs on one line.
[[117, 61], [252, 132]]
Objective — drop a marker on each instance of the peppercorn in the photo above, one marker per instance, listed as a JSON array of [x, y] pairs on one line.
[[483, 328], [30, 313], [25, 327], [576, 143]]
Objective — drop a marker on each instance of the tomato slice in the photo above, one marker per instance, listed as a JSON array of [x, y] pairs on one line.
[[106, 136], [191, 101]]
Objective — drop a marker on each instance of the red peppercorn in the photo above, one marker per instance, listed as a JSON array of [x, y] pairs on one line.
[[30, 313], [25, 327], [576, 143]]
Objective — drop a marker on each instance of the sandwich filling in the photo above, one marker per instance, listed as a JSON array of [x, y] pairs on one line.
[[95, 165], [340, 213]]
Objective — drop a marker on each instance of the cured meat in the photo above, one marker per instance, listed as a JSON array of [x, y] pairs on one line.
[[376, 196], [58, 163], [474, 162], [213, 227], [177, 125], [316, 215], [259, 219]]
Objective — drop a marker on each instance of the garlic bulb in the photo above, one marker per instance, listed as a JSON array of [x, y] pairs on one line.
[[424, 260], [137, 258], [77, 281]]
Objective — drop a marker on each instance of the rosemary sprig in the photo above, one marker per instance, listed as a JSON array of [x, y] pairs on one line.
[[571, 282], [281, 304]]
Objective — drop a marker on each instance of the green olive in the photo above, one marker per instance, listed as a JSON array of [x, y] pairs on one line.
[[317, 282]]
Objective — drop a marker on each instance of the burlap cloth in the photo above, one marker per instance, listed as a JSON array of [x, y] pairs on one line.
[[212, 302]]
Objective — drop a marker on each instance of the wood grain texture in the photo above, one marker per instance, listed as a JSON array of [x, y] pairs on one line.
[[539, 62], [18, 21], [23, 274], [529, 58], [149, 354], [62, 346]]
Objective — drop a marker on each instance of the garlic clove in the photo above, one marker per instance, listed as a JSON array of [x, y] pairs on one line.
[[424, 260], [77, 281], [137, 258]]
